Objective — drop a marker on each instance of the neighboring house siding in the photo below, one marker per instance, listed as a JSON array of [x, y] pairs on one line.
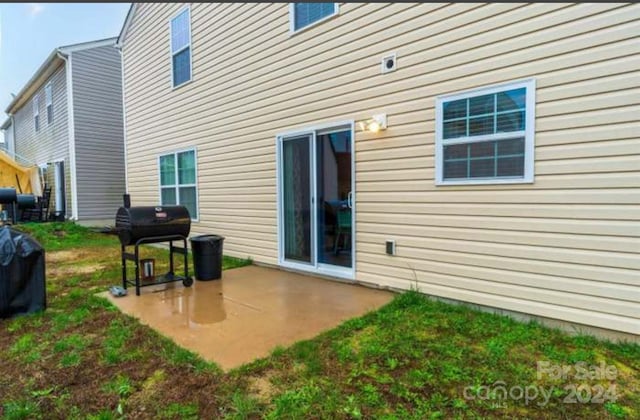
[[51, 142], [99, 142], [8, 144], [565, 247]]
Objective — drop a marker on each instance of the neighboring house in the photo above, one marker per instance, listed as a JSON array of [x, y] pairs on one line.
[[7, 144], [68, 120], [508, 174]]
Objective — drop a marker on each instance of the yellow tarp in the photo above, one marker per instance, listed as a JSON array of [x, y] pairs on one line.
[[13, 175]]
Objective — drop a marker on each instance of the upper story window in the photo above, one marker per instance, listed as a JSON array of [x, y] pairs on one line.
[[486, 136], [48, 94], [181, 48], [302, 15], [36, 112], [178, 181]]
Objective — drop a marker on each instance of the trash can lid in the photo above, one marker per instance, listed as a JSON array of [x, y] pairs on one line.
[[207, 238]]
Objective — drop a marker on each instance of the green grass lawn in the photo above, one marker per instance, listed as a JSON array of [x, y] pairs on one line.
[[414, 358]]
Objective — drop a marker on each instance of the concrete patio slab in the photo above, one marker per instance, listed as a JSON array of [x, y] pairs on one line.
[[250, 311]]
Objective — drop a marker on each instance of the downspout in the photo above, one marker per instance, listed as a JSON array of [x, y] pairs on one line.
[[124, 121], [72, 136]]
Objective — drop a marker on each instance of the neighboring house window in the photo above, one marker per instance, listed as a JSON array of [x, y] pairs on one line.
[[36, 112], [178, 181], [48, 94], [302, 15], [181, 48], [486, 136]]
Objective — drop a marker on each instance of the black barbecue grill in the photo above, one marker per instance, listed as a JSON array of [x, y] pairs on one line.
[[133, 223], [144, 225]]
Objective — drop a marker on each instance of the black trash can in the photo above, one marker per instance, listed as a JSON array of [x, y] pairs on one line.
[[207, 256]]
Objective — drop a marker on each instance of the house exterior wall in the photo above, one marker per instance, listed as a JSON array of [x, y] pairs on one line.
[[99, 141], [8, 144], [565, 246], [51, 142]]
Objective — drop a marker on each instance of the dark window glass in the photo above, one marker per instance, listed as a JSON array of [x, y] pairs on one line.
[[484, 149], [455, 169], [481, 125], [188, 198], [453, 129], [511, 166], [308, 13], [511, 147], [182, 67], [482, 105], [487, 159], [168, 196], [180, 31], [484, 115], [512, 121], [456, 151], [482, 168], [512, 99], [455, 109]]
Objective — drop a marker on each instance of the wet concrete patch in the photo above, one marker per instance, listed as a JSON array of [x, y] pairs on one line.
[[249, 312]]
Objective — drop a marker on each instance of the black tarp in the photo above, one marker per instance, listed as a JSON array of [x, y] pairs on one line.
[[22, 274]]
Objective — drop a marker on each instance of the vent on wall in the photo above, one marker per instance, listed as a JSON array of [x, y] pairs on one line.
[[389, 63]]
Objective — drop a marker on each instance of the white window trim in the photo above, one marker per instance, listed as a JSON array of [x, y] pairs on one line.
[[318, 268], [36, 111], [48, 101], [292, 16], [175, 153], [172, 53], [528, 134]]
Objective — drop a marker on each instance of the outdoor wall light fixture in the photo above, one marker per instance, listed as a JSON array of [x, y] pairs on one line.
[[375, 124]]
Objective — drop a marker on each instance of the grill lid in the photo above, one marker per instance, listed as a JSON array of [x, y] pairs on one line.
[[135, 223]]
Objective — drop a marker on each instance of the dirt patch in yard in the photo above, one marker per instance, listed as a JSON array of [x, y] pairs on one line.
[[262, 387], [61, 256], [85, 255], [66, 270]]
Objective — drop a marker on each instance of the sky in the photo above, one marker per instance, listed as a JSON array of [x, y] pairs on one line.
[[30, 31]]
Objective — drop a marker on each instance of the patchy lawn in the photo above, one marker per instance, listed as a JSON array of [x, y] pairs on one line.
[[414, 358]]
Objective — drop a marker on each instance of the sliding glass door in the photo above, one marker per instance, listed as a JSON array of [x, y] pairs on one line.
[[334, 198], [296, 198], [316, 201]]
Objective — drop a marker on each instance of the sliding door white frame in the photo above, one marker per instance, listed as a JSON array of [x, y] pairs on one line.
[[320, 268]]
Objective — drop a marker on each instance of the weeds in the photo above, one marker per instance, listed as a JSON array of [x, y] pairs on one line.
[[18, 410], [244, 406], [411, 359]]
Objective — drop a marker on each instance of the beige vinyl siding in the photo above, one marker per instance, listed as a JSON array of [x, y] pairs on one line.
[[566, 246], [51, 142]]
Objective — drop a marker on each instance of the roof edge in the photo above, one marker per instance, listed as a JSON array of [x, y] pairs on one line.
[[125, 26], [53, 59], [88, 45]]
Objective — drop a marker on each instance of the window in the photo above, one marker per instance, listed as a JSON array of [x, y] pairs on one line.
[[178, 181], [181, 48], [302, 15], [486, 136], [36, 112], [48, 95]]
